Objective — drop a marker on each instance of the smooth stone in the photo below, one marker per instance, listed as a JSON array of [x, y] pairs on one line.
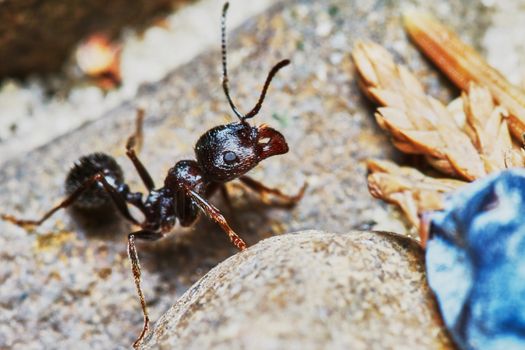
[[309, 290]]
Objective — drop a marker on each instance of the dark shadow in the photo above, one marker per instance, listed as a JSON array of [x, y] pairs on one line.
[[105, 223]]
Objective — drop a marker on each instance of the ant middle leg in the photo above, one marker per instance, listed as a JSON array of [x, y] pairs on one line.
[[133, 145], [135, 269], [263, 191], [69, 200]]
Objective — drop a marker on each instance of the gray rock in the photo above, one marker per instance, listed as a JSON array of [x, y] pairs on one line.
[[309, 290]]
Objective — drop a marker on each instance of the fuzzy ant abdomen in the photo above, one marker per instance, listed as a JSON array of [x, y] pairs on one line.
[[95, 197]]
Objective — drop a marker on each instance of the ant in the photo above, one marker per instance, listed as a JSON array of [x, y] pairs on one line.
[[224, 153]]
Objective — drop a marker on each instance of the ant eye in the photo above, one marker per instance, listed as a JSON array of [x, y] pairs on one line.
[[229, 157]]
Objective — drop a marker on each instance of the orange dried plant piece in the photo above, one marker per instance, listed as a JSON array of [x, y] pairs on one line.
[[418, 123], [463, 65], [467, 139], [489, 131], [414, 192]]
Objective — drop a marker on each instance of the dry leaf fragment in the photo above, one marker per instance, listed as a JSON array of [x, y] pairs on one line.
[[413, 191], [489, 130], [418, 123], [463, 65], [468, 139]]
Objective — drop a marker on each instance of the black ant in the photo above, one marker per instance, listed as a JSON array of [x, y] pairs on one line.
[[223, 154]]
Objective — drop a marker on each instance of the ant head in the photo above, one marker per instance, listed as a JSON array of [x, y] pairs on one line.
[[229, 151]]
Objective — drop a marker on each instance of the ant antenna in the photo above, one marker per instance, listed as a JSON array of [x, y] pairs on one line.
[[225, 80], [269, 78], [224, 65]]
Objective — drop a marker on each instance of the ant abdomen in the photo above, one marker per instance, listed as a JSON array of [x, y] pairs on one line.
[[95, 197]]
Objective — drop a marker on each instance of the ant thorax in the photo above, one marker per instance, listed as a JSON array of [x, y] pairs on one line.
[[186, 174]]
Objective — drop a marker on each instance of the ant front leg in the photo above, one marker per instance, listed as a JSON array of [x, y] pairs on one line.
[[263, 191], [114, 194], [135, 269], [136, 141], [214, 214]]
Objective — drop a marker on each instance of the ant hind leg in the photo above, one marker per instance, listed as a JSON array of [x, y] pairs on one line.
[[135, 269], [115, 196]]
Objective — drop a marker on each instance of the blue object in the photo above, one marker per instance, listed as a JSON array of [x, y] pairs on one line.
[[475, 262]]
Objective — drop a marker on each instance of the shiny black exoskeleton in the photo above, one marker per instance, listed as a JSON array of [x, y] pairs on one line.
[[224, 153], [95, 197]]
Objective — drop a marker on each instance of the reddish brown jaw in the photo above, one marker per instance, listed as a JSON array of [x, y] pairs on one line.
[[271, 142]]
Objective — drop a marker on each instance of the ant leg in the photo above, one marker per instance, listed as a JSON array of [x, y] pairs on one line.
[[135, 269], [136, 141], [213, 213], [226, 197], [263, 191], [115, 196], [141, 169]]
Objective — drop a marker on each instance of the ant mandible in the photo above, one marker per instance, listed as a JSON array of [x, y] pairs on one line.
[[224, 153]]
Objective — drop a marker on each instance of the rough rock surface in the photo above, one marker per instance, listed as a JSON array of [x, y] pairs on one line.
[[309, 290], [70, 283]]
